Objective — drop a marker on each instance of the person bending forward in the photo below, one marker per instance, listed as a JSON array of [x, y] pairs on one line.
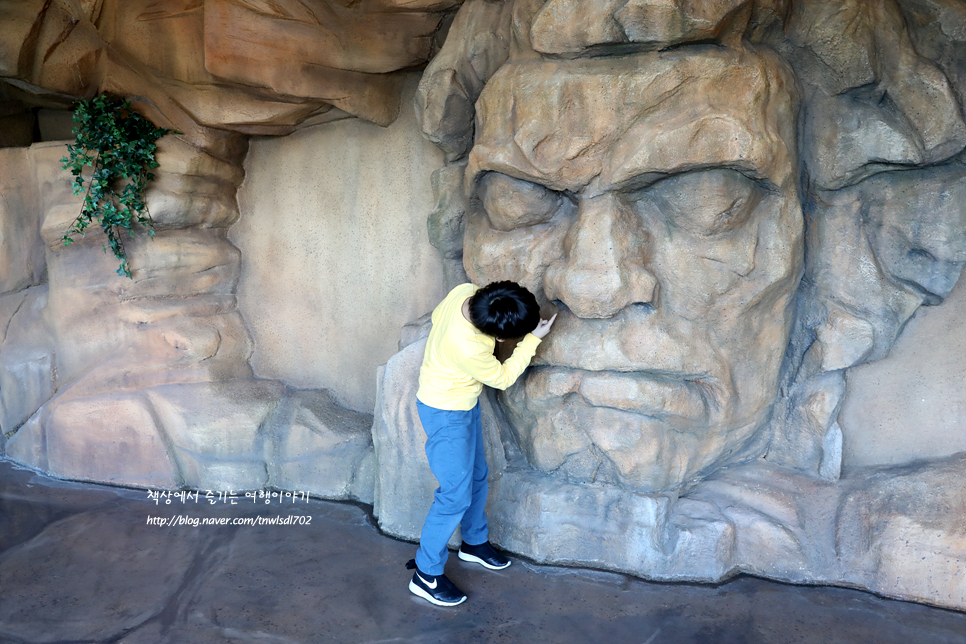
[[458, 361]]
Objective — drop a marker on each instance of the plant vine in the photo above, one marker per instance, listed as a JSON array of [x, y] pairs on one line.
[[119, 145]]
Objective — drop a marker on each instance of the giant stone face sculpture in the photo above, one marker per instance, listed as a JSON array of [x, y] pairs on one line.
[[651, 201], [605, 134], [720, 256]]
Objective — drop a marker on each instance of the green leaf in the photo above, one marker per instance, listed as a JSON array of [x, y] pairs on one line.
[[119, 145]]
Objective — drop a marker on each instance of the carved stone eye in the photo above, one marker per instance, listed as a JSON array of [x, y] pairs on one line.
[[513, 203], [707, 202]]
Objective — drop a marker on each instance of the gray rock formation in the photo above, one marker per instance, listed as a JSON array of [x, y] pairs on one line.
[[650, 188], [894, 530], [728, 203]]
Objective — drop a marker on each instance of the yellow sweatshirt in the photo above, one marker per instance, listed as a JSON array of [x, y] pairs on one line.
[[459, 358]]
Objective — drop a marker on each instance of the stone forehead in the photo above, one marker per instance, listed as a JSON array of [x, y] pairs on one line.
[[567, 123]]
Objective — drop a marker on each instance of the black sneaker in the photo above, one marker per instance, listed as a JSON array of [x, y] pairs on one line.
[[435, 588], [483, 554]]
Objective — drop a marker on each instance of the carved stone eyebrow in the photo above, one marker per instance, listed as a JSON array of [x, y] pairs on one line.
[[481, 162], [680, 150]]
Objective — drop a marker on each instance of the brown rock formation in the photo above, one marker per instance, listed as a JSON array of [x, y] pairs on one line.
[[636, 166], [729, 203], [243, 65], [148, 380], [581, 127]]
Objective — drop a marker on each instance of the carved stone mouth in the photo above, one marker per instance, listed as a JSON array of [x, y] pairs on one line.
[[681, 398], [636, 340]]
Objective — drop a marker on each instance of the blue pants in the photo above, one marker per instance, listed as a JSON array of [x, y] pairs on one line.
[[454, 447]]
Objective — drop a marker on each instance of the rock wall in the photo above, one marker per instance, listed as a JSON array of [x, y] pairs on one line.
[[26, 347], [894, 530], [146, 381], [911, 406], [335, 253], [685, 209], [257, 68], [733, 206]]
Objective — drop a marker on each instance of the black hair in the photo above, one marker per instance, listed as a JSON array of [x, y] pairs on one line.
[[504, 310]]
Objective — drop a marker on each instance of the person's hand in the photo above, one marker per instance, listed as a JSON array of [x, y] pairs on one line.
[[543, 327]]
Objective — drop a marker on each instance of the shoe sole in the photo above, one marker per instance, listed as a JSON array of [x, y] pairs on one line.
[[474, 559], [419, 592]]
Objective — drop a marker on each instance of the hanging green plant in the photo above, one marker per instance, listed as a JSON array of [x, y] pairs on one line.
[[119, 145]]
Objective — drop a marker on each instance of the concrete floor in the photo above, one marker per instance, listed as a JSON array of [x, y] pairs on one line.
[[85, 563]]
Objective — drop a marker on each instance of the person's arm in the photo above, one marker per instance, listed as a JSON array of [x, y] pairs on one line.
[[487, 369]]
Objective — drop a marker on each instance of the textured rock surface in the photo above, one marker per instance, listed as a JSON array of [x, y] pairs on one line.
[[909, 226], [146, 382], [852, 130], [582, 146], [21, 249], [320, 447], [899, 531], [896, 531], [335, 257], [26, 345], [26, 357], [254, 67], [911, 405], [149, 380], [571, 26], [636, 164], [567, 169], [225, 435]]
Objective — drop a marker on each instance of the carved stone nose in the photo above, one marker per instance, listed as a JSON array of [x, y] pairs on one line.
[[603, 268]]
